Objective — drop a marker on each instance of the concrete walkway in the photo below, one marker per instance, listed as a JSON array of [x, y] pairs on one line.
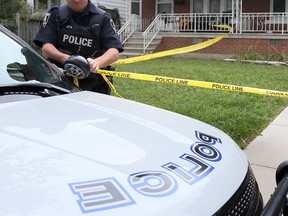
[[267, 151]]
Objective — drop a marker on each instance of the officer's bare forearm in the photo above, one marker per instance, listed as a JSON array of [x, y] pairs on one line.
[[51, 52], [110, 56]]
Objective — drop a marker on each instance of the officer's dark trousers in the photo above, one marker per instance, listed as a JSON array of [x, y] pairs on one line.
[[96, 83]]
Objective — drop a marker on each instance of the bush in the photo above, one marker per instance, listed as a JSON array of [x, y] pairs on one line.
[[9, 24], [8, 10], [254, 55]]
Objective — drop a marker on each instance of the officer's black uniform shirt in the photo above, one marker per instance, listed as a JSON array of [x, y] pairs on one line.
[[108, 35]]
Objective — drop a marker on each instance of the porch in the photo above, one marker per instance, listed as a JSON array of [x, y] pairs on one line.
[[205, 22], [246, 25]]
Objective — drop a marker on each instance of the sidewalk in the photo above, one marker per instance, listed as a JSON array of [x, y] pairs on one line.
[[267, 151]]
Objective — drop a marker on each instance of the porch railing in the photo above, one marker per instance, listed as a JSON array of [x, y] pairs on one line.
[[205, 22], [264, 22], [150, 33], [184, 23], [132, 25], [195, 22]]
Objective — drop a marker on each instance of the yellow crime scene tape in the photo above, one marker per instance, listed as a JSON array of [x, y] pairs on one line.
[[184, 82], [176, 51], [195, 83]]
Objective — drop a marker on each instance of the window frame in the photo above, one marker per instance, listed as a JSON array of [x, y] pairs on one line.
[[159, 2], [272, 7]]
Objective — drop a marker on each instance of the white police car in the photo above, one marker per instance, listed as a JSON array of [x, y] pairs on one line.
[[91, 154]]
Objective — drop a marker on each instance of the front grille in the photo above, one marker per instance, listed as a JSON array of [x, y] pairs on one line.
[[246, 201]]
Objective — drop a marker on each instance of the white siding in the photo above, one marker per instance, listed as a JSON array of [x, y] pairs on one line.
[[122, 6]]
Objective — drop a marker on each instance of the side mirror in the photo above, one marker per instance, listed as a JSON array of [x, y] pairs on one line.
[[77, 66]]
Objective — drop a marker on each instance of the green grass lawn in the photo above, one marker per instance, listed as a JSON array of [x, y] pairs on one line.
[[241, 115]]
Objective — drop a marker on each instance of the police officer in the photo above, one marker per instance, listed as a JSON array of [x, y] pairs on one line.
[[80, 28]]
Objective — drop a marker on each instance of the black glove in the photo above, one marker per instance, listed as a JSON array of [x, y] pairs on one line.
[[77, 66]]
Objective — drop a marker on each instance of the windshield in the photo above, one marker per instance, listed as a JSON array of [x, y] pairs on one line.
[[20, 64]]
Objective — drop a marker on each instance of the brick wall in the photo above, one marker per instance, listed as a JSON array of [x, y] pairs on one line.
[[250, 6], [228, 45]]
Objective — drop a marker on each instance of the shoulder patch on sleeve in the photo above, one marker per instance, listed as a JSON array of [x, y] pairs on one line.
[[46, 19], [113, 25]]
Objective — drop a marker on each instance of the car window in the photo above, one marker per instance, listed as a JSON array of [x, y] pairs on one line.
[[20, 64], [9, 58]]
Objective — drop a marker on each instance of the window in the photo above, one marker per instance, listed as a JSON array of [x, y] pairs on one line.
[[198, 6], [214, 6], [135, 7], [164, 6], [279, 6], [228, 5]]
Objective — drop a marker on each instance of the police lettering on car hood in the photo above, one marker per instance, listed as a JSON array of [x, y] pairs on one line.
[[108, 156]]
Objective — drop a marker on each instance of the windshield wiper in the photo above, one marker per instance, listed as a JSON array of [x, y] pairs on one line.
[[41, 89]]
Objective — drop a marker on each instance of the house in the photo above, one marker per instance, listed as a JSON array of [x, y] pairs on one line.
[[157, 25], [260, 25]]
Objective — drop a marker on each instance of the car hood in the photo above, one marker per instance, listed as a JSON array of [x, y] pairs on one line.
[[92, 153]]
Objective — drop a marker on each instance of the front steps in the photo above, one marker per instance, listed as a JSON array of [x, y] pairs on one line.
[[134, 45]]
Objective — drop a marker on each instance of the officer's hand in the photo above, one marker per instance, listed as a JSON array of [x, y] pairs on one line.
[[94, 66]]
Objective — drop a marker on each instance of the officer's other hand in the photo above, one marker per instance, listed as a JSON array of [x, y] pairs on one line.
[[94, 66]]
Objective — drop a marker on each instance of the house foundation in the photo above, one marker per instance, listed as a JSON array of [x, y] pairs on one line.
[[232, 45]]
